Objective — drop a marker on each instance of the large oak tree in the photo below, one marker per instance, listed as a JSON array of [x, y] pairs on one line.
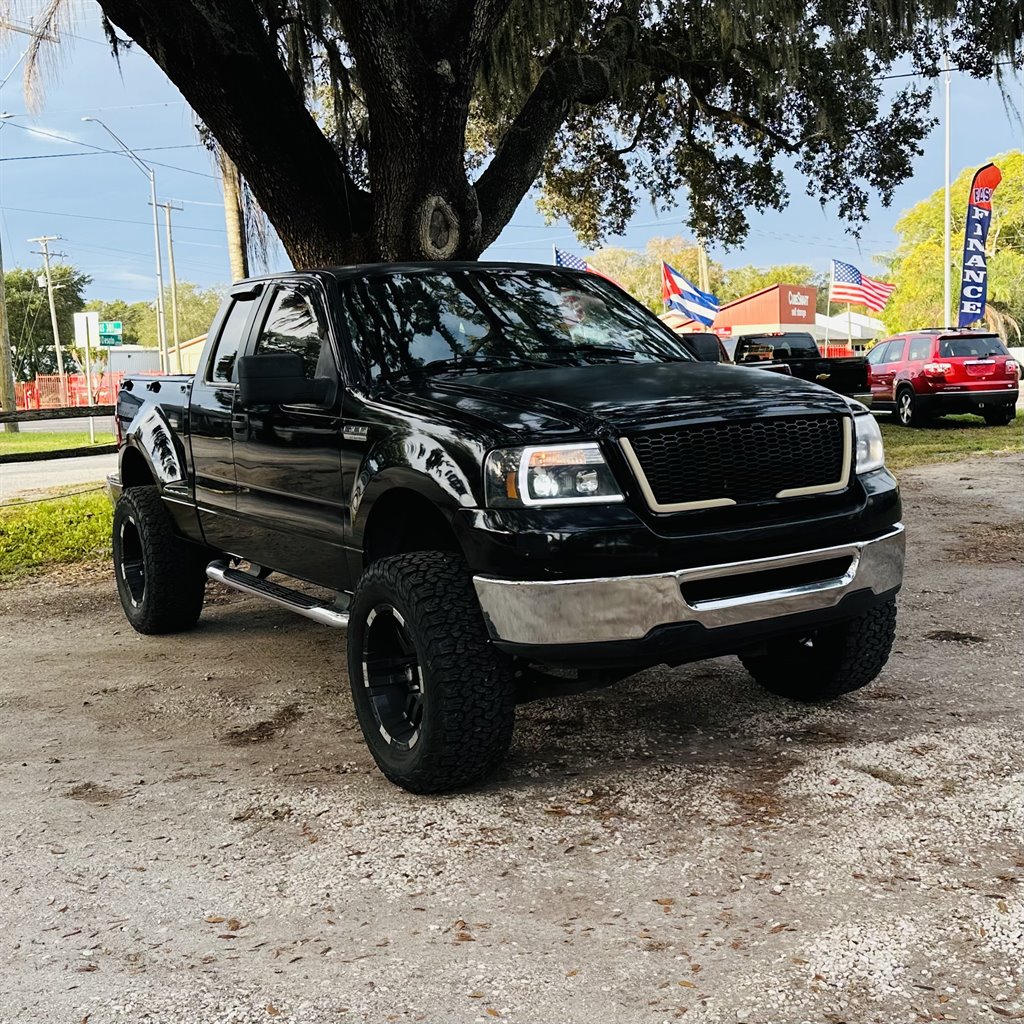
[[393, 129]]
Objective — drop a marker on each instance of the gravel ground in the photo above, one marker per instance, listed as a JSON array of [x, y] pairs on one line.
[[191, 829]]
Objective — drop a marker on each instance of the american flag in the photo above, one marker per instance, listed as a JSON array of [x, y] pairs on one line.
[[574, 262], [850, 285]]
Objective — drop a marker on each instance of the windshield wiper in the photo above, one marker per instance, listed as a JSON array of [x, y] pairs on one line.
[[591, 349], [454, 364]]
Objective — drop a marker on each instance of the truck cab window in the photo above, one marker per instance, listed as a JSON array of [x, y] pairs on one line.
[[222, 363], [292, 325]]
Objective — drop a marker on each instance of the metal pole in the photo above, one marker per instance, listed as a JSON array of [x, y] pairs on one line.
[[947, 286], [161, 327], [167, 207], [7, 382], [161, 323], [45, 243], [88, 387]]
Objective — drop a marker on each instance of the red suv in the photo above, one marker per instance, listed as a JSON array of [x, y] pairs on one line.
[[931, 372]]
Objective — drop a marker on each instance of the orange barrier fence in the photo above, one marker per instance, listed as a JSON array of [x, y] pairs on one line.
[[47, 391]]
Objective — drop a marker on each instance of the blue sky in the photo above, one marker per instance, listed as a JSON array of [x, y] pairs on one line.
[[98, 202]]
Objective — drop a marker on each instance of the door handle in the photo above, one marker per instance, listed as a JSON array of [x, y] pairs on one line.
[[240, 425]]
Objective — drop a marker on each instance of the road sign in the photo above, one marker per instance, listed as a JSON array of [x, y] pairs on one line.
[[87, 331], [110, 333]]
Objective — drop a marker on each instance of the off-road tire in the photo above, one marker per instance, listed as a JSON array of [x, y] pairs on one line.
[[908, 413], [168, 597], [466, 693], [830, 662], [999, 415]]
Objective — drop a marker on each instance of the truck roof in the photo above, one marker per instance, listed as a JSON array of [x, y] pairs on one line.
[[407, 267]]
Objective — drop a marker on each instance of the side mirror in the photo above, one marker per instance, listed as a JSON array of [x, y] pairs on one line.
[[279, 378], [707, 348]]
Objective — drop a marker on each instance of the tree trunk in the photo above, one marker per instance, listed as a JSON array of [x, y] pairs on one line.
[[234, 217]]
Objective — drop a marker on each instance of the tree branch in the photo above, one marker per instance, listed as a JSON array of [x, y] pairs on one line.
[[569, 79]]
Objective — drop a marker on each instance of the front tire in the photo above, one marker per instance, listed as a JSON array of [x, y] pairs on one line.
[[999, 415], [434, 698], [830, 661], [161, 579]]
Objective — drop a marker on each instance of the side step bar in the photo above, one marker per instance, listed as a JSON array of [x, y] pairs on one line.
[[293, 600]]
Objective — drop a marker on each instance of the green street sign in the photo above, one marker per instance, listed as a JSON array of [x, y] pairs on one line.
[[110, 340], [111, 328]]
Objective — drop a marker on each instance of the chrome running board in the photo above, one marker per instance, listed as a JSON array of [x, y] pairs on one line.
[[293, 600]]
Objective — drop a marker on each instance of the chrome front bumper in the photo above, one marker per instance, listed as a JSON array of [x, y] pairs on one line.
[[628, 607]]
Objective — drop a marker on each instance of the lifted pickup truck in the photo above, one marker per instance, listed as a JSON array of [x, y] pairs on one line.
[[848, 375], [500, 476]]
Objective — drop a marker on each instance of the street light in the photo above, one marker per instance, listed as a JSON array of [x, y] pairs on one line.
[[161, 329]]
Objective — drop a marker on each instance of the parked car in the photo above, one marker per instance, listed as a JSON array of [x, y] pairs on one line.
[[931, 372], [708, 347], [492, 469], [848, 375]]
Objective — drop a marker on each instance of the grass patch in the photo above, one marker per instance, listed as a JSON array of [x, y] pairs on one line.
[[948, 440], [53, 532], [49, 441]]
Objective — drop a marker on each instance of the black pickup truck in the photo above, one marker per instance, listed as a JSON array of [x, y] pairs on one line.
[[797, 350], [504, 481]]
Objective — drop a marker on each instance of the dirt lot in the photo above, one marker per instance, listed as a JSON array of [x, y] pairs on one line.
[[191, 829]]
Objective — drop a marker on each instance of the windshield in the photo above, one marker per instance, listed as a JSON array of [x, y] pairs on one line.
[[971, 345], [766, 347], [486, 320]]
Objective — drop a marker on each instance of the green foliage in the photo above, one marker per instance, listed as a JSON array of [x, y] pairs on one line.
[[196, 310], [48, 441], [52, 532], [949, 439], [133, 317], [604, 104], [640, 272], [740, 281], [916, 268], [28, 315]]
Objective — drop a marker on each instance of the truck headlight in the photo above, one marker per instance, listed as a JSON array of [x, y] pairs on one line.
[[560, 474], [870, 453]]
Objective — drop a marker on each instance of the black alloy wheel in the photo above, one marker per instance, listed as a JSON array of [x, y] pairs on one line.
[[393, 676]]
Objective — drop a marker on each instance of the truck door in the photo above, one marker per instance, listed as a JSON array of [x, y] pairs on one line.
[[210, 410], [288, 457]]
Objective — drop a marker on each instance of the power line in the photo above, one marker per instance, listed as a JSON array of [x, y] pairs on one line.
[[101, 149], [108, 220], [105, 152]]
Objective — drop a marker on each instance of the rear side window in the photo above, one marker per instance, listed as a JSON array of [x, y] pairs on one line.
[[920, 349], [894, 351], [977, 346], [232, 334], [292, 325]]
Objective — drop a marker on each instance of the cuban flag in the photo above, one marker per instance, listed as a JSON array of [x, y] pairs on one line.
[[686, 297]]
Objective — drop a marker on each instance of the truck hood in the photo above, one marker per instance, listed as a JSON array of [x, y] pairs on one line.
[[618, 398]]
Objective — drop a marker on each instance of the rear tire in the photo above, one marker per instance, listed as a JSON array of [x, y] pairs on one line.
[[908, 413], [435, 699], [161, 579], [999, 415], [830, 661]]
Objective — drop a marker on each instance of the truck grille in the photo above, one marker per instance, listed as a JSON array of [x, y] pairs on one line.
[[740, 462]]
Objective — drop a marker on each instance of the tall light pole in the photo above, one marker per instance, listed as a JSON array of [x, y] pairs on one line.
[[161, 327], [947, 257], [167, 207]]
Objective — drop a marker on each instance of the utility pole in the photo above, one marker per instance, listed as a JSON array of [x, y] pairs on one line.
[[45, 241], [167, 207], [703, 271], [7, 394]]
